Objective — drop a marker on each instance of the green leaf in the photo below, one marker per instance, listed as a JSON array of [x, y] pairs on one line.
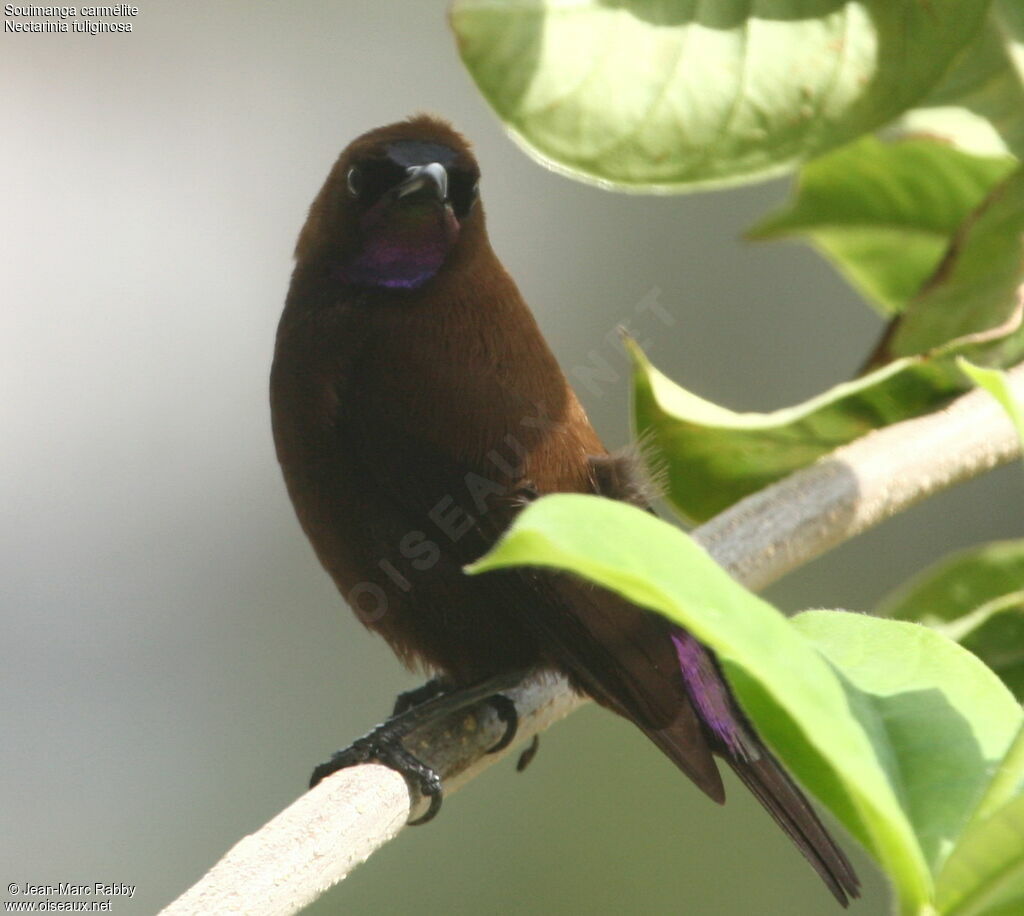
[[946, 720], [884, 213], [785, 685], [997, 384], [979, 106], [712, 457], [973, 596], [975, 289], [894, 728], [669, 96], [959, 583]]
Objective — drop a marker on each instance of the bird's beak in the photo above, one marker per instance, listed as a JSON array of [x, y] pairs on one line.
[[431, 178]]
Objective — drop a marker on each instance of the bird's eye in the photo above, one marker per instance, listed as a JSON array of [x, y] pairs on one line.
[[354, 181]]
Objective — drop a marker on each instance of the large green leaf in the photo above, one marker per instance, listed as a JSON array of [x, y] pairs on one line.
[[945, 718], [979, 105], [976, 597], [893, 727], [885, 213], [663, 95], [712, 457]]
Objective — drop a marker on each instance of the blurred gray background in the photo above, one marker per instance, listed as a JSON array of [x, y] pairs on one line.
[[175, 661]]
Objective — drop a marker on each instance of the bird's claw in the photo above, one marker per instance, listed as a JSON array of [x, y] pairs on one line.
[[380, 746], [526, 756], [506, 712], [356, 753]]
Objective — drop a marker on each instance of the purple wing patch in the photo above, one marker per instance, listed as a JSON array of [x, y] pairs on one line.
[[711, 697]]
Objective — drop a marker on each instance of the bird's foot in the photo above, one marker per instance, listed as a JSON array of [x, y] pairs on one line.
[[384, 745], [433, 701]]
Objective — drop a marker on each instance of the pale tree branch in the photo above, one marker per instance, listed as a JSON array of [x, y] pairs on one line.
[[330, 830]]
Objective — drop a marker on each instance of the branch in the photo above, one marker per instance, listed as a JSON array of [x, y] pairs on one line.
[[327, 832], [785, 526], [317, 840]]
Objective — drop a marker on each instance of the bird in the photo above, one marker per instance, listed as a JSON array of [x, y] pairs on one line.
[[416, 409]]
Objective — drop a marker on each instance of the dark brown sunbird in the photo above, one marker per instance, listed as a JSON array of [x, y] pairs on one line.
[[416, 408]]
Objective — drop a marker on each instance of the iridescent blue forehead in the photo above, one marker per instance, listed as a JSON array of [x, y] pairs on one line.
[[419, 152]]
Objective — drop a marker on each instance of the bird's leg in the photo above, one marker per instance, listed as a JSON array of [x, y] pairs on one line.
[[383, 744], [407, 699]]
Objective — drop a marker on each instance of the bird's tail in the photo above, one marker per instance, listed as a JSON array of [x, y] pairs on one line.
[[788, 806], [732, 738], [764, 776]]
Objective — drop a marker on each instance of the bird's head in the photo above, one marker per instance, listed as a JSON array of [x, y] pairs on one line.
[[395, 206]]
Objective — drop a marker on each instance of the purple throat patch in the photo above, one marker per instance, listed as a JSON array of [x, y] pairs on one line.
[[404, 246]]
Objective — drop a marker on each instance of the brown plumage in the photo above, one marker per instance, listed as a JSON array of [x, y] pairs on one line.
[[416, 407]]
